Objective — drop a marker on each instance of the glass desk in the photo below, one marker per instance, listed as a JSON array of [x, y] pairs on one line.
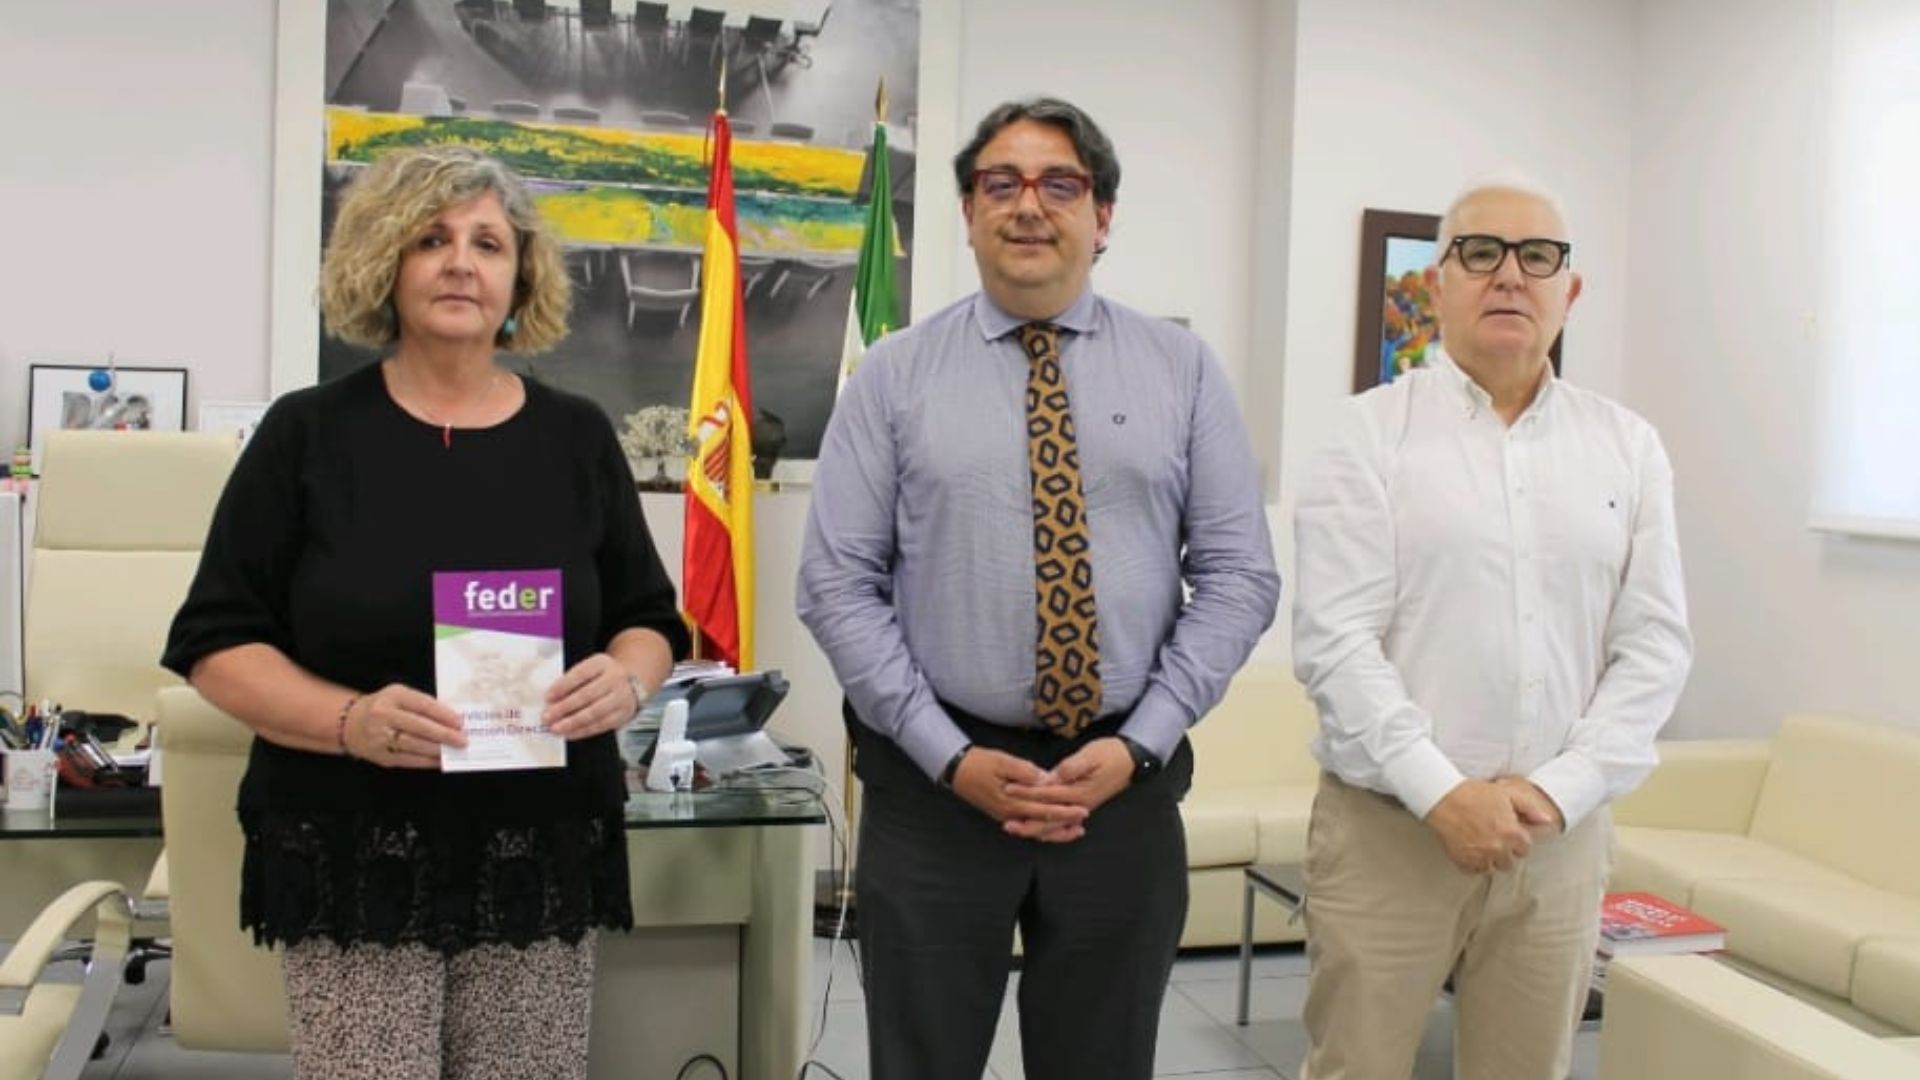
[[719, 955], [740, 802]]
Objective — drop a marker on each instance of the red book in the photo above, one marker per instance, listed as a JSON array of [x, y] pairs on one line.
[[1642, 924]]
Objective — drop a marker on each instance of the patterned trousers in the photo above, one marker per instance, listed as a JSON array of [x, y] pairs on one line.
[[492, 1012]]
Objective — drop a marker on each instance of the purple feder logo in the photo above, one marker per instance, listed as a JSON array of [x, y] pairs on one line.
[[506, 601]]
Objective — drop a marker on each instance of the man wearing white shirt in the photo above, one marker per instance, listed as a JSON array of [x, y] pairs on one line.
[[1492, 621]]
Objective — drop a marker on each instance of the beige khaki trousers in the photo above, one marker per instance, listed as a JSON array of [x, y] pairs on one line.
[[1389, 918]]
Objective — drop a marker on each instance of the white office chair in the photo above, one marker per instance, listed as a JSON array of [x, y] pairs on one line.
[[122, 517], [227, 993], [48, 1028]]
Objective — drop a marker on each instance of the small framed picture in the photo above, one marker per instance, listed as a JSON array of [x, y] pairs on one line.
[[106, 397]]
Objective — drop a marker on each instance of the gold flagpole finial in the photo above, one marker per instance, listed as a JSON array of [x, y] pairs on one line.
[[880, 102], [723, 83]]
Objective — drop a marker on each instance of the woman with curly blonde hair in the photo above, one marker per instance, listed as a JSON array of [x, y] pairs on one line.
[[435, 923]]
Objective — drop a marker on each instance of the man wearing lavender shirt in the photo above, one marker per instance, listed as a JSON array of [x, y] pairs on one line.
[[918, 579]]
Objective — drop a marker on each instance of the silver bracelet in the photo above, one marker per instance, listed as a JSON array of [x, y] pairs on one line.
[[640, 692]]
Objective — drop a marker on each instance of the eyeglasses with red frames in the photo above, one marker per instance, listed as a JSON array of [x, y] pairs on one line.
[[1003, 187]]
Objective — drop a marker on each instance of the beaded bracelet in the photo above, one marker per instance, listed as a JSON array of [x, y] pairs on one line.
[[340, 728]]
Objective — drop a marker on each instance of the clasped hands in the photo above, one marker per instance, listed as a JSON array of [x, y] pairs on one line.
[[1048, 805], [400, 727], [1490, 825]]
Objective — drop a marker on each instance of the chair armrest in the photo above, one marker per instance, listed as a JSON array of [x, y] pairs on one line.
[[55, 924], [190, 723], [157, 885], [1707, 784]]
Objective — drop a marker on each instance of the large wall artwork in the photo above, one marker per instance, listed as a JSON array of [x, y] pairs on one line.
[[606, 115]]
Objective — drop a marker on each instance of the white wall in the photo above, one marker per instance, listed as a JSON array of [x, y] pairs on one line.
[[1177, 88], [134, 192], [1175, 123], [1725, 269], [1397, 106], [143, 195], [137, 186]]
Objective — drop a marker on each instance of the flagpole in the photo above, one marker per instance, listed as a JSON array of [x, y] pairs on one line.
[[849, 793]]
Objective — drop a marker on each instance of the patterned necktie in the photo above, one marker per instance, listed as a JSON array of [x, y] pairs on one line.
[[1066, 668]]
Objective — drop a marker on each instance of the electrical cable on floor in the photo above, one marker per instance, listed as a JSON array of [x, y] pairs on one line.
[[697, 1060], [841, 846]]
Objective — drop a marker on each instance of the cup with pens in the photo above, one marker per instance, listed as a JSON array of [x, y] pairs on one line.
[[32, 759], [44, 750]]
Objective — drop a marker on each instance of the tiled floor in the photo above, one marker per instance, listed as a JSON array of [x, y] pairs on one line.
[[1197, 1033]]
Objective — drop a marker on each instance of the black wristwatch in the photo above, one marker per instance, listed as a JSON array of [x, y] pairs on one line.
[[953, 766], [1145, 765]]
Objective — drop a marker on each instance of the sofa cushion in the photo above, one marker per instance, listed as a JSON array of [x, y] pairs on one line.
[[1805, 930], [1670, 862], [1280, 815], [1219, 832], [1847, 793], [1886, 980], [1260, 733]]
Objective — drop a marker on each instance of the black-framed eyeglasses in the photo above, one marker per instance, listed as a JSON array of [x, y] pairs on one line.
[[1537, 257], [1003, 187]]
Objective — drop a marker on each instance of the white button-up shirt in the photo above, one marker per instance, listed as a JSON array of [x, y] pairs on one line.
[[1478, 599]]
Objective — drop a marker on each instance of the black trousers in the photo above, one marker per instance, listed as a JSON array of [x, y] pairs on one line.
[[941, 889]]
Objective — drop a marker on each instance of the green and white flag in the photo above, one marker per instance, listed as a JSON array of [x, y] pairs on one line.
[[876, 289]]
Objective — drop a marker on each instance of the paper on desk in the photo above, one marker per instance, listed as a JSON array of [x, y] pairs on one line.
[[732, 753]]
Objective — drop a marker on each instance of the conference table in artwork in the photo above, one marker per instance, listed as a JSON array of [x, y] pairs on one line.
[[796, 14]]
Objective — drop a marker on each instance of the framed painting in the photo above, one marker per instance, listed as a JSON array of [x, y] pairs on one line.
[[605, 114], [1399, 327], [104, 396]]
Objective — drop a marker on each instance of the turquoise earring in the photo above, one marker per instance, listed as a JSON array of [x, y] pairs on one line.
[[507, 328]]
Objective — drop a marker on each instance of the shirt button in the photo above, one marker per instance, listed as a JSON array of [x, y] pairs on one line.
[[1527, 618], [1520, 490]]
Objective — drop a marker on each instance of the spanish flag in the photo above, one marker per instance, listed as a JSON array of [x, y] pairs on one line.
[[718, 570]]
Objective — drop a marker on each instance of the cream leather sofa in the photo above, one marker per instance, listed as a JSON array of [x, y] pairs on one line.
[[1805, 848], [1689, 1017], [1253, 785]]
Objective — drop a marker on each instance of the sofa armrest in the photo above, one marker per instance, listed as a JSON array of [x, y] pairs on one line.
[[1680, 1017], [1707, 784]]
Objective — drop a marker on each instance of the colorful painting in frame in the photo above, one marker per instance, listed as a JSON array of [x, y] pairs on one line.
[[606, 119], [1399, 328]]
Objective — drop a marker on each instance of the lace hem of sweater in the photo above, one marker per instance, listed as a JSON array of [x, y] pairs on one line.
[[352, 879]]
